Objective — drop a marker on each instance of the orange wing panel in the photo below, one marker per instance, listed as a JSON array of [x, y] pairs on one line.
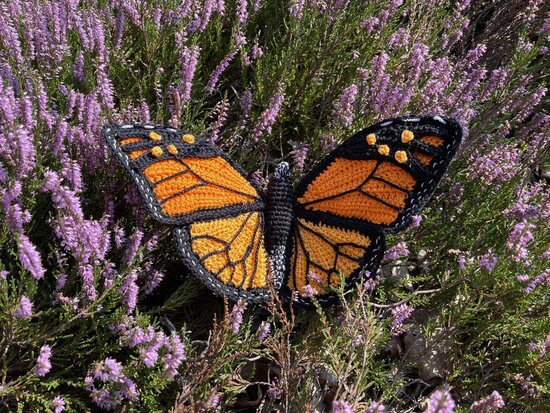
[[371, 190], [433, 140], [232, 249], [342, 175], [321, 253], [188, 185]]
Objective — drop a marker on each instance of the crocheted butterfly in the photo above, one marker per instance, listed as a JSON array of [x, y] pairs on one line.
[[236, 239]]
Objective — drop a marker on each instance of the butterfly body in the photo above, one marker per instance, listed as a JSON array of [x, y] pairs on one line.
[[237, 240], [279, 221]]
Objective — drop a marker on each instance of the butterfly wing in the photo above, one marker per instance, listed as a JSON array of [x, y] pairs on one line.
[[322, 253], [181, 177], [370, 185], [376, 180], [217, 212], [227, 255]]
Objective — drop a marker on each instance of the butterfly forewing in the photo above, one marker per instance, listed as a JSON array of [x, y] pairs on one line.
[[181, 177], [379, 178]]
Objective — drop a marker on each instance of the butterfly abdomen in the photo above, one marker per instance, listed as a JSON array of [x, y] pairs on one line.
[[279, 217]]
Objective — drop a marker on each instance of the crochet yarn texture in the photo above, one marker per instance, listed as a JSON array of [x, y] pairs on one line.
[[328, 230]]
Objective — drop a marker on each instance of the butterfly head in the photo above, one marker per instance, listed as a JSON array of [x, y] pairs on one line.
[[282, 171]]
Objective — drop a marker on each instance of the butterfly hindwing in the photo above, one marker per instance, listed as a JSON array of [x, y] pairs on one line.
[[322, 254], [228, 255], [181, 177], [376, 180], [217, 212]]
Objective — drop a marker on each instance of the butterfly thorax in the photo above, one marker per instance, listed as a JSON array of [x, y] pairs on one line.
[[279, 217]]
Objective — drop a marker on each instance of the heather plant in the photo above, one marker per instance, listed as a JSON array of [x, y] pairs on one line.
[[98, 313]]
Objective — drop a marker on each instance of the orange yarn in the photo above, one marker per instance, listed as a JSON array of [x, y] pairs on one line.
[[433, 140], [327, 260], [196, 184], [407, 136], [337, 190], [233, 249], [155, 136]]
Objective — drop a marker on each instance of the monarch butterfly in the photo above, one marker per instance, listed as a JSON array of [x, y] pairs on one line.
[[236, 239]]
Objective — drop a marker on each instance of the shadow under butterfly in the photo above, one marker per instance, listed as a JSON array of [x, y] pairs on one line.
[[236, 239]]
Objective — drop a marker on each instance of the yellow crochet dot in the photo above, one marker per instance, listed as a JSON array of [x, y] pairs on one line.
[[407, 136], [172, 150], [156, 151], [401, 156], [384, 150], [371, 138], [155, 136], [188, 138]]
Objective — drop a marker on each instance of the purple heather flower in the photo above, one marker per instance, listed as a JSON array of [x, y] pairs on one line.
[[58, 404], [370, 281], [523, 278], [43, 365], [86, 272], [376, 407], [461, 260], [488, 261], [274, 392], [440, 402], [3, 274], [236, 316], [256, 51], [370, 24], [415, 222], [174, 354], [214, 401], [268, 117], [263, 331], [154, 278], [491, 403], [242, 12], [341, 406], [61, 281], [25, 150], [108, 370], [214, 77], [345, 108], [117, 386], [24, 308], [308, 291], [133, 246], [397, 251], [530, 388], [129, 291], [542, 279], [400, 38], [518, 239], [188, 61], [105, 87], [296, 8], [400, 314], [220, 110], [30, 257], [299, 154]]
